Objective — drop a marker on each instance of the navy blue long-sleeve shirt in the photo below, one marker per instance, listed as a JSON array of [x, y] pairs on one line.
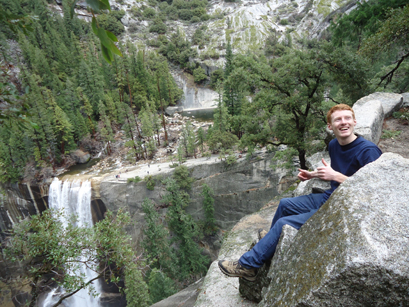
[[348, 159]]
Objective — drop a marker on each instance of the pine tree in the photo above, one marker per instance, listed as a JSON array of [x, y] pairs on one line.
[[190, 260], [105, 128], [200, 138], [208, 206]]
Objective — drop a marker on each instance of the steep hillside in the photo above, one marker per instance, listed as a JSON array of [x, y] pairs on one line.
[[247, 24]]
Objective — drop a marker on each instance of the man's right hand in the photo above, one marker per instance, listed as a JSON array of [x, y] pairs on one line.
[[306, 175]]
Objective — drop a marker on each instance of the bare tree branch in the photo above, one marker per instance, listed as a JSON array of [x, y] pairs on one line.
[[72, 293], [389, 75]]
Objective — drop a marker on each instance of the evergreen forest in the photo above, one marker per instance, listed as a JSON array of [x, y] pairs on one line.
[[62, 89]]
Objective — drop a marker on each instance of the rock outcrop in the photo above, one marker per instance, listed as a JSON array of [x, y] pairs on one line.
[[80, 157], [370, 112], [240, 189], [218, 289], [353, 251], [254, 291]]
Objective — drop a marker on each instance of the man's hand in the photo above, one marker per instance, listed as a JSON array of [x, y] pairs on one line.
[[327, 173], [306, 175]]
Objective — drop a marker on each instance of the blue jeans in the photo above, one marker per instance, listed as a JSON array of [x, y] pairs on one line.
[[291, 211]]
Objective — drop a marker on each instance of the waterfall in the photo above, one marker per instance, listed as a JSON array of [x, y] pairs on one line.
[[73, 198]]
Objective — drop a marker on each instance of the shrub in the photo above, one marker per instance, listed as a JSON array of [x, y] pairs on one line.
[[117, 14], [195, 19], [182, 177], [150, 182], [390, 134], [111, 23], [136, 179], [132, 28], [199, 75], [136, 12], [159, 28], [221, 140], [208, 206], [283, 22], [185, 14], [149, 13], [204, 17], [216, 77]]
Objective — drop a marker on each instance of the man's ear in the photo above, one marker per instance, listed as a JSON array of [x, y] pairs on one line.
[[329, 126]]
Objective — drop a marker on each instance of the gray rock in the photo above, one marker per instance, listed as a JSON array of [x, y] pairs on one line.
[[311, 186], [390, 102], [186, 297], [170, 111], [315, 160], [80, 157], [371, 110], [239, 190], [218, 289], [306, 187], [405, 97], [125, 20], [369, 117], [353, 251], [254, 290]]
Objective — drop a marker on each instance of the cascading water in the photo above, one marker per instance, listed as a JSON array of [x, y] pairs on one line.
[[73, 198]]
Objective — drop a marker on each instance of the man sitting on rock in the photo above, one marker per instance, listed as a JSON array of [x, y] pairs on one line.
[[348, 153]]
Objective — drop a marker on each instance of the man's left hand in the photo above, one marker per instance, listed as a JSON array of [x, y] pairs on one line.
[[327, 173]]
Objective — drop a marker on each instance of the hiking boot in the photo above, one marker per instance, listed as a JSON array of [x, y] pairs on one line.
[[261, 233], [235, 269]]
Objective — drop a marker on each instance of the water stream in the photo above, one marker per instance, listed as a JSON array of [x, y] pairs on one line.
[[73, 198]]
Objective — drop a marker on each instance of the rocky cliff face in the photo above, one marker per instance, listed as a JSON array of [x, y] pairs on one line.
[[246, 24], [239, 189]]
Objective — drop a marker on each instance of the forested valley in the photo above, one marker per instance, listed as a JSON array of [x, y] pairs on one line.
[[61, 90]]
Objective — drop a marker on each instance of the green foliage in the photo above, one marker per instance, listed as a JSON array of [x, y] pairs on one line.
[[362, 22], [188, 140], [392, 37], [283, 22], [160, 286], [136, 179], [402, 114], [148, 13], [111, 22], [208, 206], [284, 158], [231, 158], [156, 242], [158, 26], [390, 134], [182, 177], [199, 75], [200, 138], [221, 140], [190, 259], [46, 247], [150, 182], [216, 77], [72, 94]]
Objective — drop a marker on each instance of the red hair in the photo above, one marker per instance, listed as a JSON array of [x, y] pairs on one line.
[[339, 107]]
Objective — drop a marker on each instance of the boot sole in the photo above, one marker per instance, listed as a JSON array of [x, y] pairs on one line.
[[251, 279]]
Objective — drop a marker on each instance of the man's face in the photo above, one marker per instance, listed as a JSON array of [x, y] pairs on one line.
[[343, 124]]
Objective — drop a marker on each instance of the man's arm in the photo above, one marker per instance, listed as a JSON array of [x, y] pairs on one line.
[[323, 172]]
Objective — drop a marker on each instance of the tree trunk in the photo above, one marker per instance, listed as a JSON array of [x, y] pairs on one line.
[[163, 112], [303, 161]]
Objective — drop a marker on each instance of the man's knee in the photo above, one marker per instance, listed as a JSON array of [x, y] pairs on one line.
[[284, 202]]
